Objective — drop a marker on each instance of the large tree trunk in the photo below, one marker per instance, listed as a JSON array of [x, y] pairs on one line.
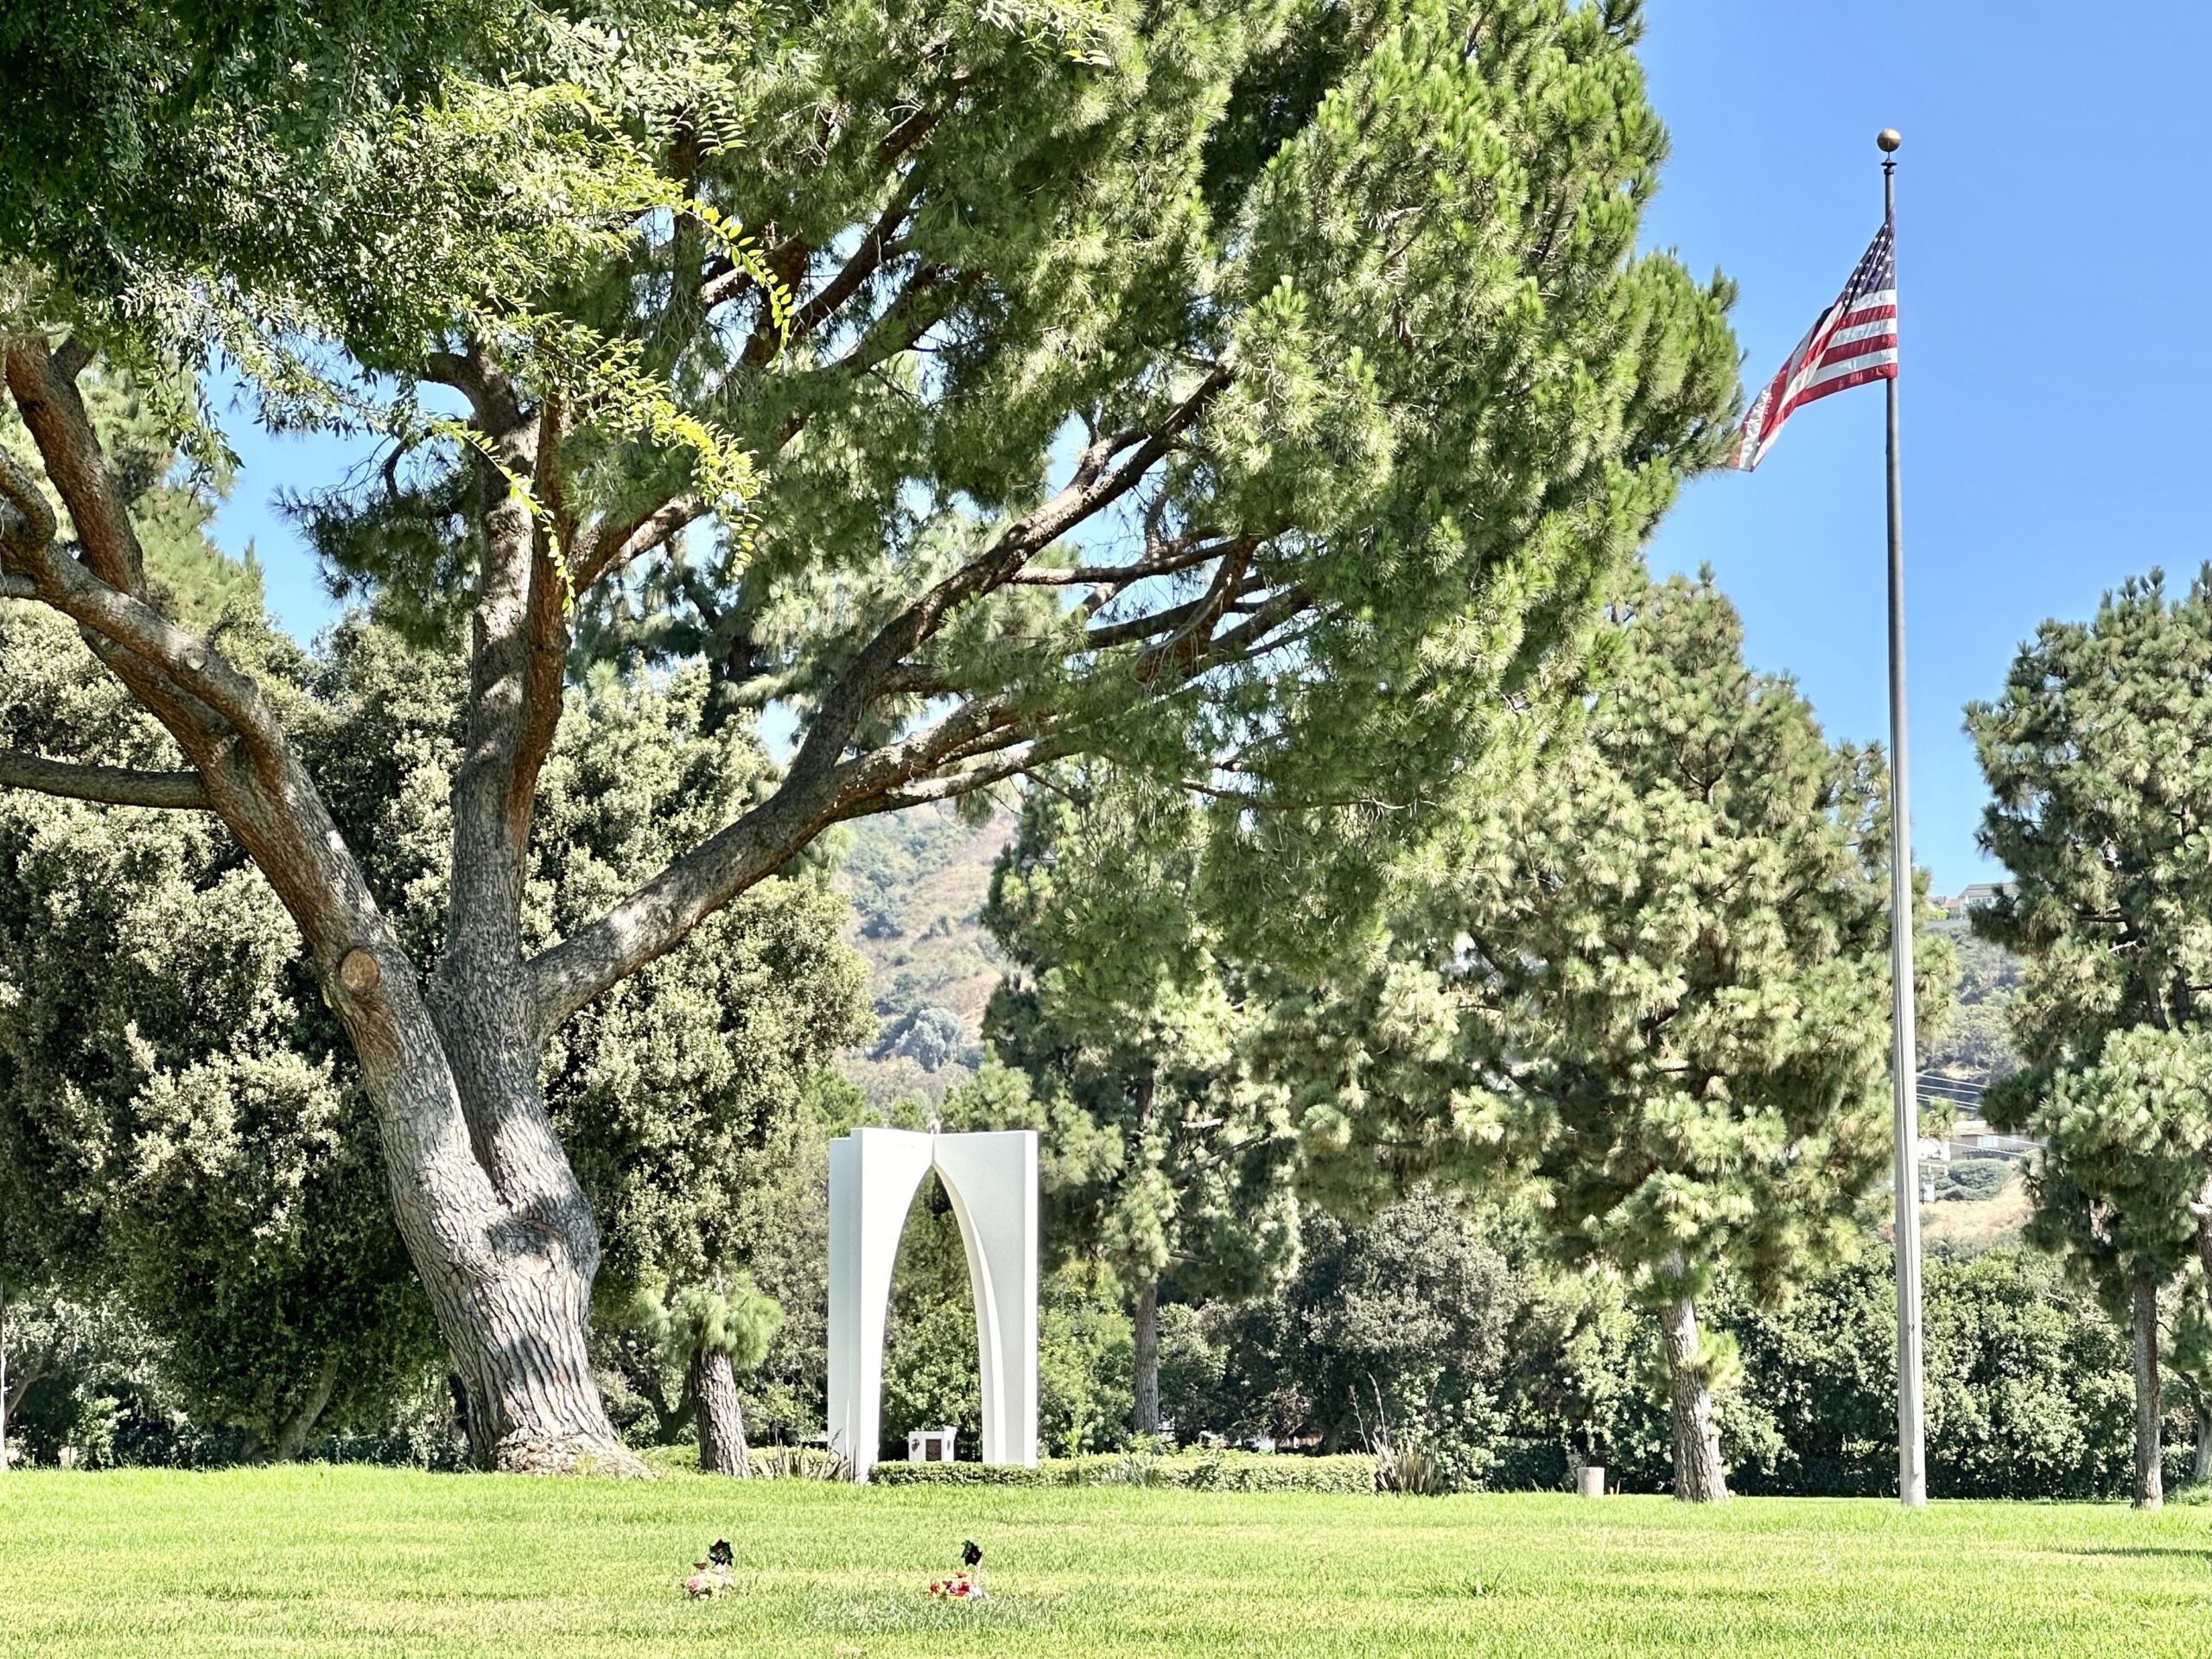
[[718, 1415], [518, 1327], [1144, 1417], [292, 1437], [508, 1265], [1699, 1476], [515, 1319], [2150, 1478], [2202, 1472]]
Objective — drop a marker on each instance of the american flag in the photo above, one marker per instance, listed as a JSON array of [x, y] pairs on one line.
[[1854, 341]]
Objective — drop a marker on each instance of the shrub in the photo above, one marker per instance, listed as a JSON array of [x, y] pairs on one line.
[[1222, 1472], [1973, 1179], [956, 1474], [1408, 1466], [799, 1463], [1529, 1465]]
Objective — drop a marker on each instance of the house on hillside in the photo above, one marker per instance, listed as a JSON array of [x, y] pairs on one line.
[[1979, 893]]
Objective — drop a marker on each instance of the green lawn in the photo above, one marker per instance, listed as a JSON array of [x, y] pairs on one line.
[[359, 1561]]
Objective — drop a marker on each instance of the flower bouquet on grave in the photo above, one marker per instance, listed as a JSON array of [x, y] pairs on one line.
[[966, 1584], [713, 1577]]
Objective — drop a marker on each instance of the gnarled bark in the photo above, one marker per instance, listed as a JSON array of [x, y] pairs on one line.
[[2149, 1477], [718, 1415], [509, 1275], [1699, 1476]]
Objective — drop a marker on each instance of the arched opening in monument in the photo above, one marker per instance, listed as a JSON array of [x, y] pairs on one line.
[[932, 1378]]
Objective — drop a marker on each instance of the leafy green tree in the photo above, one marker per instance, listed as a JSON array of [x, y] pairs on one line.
[[2190, 1358], [1394, 1332], [1086, 1354], [2097, 761], [170, 1129], [1655, 983], [931, 1371], [2027, 1381], [1256, 394], [2098, 756], [180, 1121], [1123, 1023], [711, 1334], [92, 1378], [181, 1124], [2123, 1163], [1577, 1377], [153, 141], [1975, 1045], [41, 1335]]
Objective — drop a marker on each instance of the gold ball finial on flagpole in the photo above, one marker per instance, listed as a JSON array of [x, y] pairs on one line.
[[1889, 139]]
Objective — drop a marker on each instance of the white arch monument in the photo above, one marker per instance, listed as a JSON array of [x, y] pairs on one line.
[[992, 1181]]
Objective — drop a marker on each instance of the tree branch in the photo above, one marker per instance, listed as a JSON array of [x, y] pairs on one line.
[[920, 307], [1186, 557], [951, 788], [876, 249], [546, 623], [271, 806], [491, 394], [788, 265], [44, 385], [615, 547], [178, 676], [115, 785], [821, 787]]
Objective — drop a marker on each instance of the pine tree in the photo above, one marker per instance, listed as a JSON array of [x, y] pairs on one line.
[[1125, 1025], [2123, 1162], [1655, 984], [1257, 394], [2098, 759], [712, 1333]]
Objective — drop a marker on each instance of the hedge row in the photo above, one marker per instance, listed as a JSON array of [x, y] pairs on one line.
[[1218, 1471]]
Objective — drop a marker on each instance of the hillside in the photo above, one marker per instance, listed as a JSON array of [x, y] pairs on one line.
[[1975, 1047], [1981, 1195], [917, 880]]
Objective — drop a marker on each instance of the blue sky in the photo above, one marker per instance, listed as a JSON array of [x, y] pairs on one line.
[[2051, 446]]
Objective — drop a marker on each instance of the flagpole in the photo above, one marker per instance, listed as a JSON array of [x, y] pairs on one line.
[[1905, 1062]]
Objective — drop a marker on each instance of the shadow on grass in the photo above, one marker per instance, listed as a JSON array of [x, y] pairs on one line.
[[2147, 1552]]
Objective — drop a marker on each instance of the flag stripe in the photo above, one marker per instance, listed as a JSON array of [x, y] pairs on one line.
[[1882, 369], [1866, 330], [1851, 350], [1886, 371]]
